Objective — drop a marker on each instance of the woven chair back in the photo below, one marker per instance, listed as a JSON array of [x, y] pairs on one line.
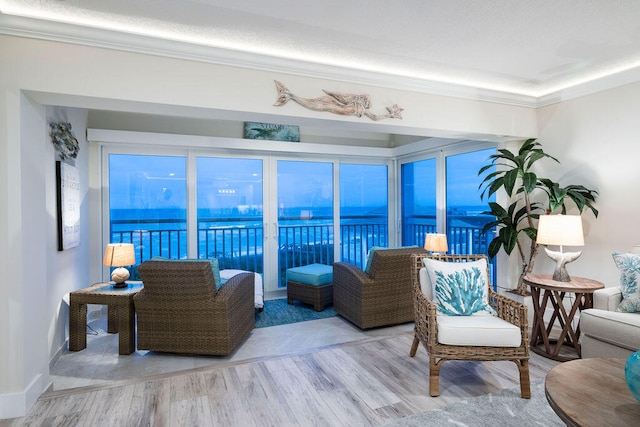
[[177, 280]]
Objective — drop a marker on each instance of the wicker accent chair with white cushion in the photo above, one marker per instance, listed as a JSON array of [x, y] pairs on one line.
[[458, 316]]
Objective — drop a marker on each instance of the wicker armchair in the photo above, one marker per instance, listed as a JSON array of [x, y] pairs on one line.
[[180, 311], [382, 297], [426, 330]]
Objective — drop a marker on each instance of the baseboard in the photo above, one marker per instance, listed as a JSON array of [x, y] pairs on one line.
[[14, 405]]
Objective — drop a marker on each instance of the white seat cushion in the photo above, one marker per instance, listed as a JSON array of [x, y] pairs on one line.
[[487, 330]]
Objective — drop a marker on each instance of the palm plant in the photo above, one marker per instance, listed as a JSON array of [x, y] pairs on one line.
[[513, 173]]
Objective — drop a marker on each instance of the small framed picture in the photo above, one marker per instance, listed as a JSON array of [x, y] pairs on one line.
[[68, 205], [271, 132]]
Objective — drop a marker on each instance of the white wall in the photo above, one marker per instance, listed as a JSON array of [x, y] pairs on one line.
[[596, 138], [66, 270], [39, 276]]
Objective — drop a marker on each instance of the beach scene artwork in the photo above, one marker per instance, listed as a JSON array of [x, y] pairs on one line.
[[271, 132]]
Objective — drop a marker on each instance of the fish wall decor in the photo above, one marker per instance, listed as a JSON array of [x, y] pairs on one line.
[[345, 104]]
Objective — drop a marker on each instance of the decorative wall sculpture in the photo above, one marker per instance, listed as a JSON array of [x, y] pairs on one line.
[[345, 104], [63, 140]]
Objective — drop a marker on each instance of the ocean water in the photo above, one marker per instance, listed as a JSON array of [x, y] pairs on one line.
[[237, 235]]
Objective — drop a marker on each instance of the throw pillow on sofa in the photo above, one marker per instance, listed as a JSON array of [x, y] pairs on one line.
[[629, 265]]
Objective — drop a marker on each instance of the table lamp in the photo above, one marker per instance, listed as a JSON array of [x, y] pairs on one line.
[[436, 243], [561, 230], [119, 255]]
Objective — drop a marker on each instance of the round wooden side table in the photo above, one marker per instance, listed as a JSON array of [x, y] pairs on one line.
[[545, 290], [592, 392]]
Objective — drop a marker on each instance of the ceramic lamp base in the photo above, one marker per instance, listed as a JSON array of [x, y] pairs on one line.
[[120, 275]]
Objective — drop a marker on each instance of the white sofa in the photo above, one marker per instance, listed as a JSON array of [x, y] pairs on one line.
[[606, 332]]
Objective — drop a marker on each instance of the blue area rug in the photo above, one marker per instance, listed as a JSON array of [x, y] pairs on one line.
[[278, 312]]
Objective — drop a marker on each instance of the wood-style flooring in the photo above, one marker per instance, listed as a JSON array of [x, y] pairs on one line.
[[361, 383]]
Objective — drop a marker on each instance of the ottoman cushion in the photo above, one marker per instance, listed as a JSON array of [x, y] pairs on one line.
[[312, 274]]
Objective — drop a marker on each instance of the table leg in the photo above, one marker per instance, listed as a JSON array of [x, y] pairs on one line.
[[126, 328], [572, 336], [539, 332], [77, 326], [112, 319]]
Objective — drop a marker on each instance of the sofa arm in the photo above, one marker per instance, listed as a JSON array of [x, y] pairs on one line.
[[607, 298]]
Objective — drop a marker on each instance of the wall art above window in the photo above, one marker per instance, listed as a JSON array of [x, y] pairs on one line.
[[345, 104], [272, 132]]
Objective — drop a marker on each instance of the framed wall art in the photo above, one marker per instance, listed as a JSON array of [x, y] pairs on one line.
[[271, 132], [68, 205]]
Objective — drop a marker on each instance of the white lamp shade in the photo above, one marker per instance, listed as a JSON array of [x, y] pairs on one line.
[[119, 255], [562, 230], [435, 242]]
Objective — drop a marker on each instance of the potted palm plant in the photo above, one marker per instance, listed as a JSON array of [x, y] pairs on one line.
[[516, 222]]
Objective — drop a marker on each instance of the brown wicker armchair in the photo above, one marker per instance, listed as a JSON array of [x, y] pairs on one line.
[[180, 311], [426, 330], [382, 297]]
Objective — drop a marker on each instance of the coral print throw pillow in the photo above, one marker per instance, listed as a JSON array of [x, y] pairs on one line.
[[459, 288], [629, 265]]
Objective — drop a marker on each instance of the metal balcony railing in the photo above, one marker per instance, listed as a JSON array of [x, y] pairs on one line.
[[242, 247]]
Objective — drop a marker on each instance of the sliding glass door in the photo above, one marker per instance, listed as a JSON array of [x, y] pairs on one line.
[[364, 210], [229, 194], [465, 218], [148, 204], [419, 205], [305, 215]]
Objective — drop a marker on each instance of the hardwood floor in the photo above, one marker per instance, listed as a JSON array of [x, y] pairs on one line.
[[369, 381]]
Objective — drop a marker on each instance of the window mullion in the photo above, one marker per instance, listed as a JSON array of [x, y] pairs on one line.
[[192, 212]]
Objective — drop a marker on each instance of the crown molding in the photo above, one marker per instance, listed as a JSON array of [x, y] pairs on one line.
[[96, 37], [68, 33]]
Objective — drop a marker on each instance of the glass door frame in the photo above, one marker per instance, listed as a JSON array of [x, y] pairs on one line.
[[151, 147]]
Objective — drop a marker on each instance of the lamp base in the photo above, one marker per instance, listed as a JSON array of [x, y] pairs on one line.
[[562, 259], [120, 276]]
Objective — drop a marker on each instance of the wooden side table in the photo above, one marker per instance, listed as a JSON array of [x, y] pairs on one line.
[[121, 314], [592, 392], [555, 292]]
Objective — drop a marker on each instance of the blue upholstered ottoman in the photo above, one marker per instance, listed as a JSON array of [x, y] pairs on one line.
[[311, 284]]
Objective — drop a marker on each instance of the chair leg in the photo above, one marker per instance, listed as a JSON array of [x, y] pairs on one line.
[[434, 377], [414, 346], [525, 384]]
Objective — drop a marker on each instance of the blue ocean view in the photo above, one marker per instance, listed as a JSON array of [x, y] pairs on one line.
[[235, 234]]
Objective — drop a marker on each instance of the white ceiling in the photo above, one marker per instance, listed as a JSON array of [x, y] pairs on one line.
[[520, 50]]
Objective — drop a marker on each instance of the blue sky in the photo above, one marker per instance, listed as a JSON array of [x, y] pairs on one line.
[[159, 181]]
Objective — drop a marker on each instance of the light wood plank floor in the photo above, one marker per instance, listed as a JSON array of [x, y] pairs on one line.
[[365, 382]]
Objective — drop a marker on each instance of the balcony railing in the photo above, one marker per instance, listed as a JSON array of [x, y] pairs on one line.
[[242, 247], [461, 239]]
